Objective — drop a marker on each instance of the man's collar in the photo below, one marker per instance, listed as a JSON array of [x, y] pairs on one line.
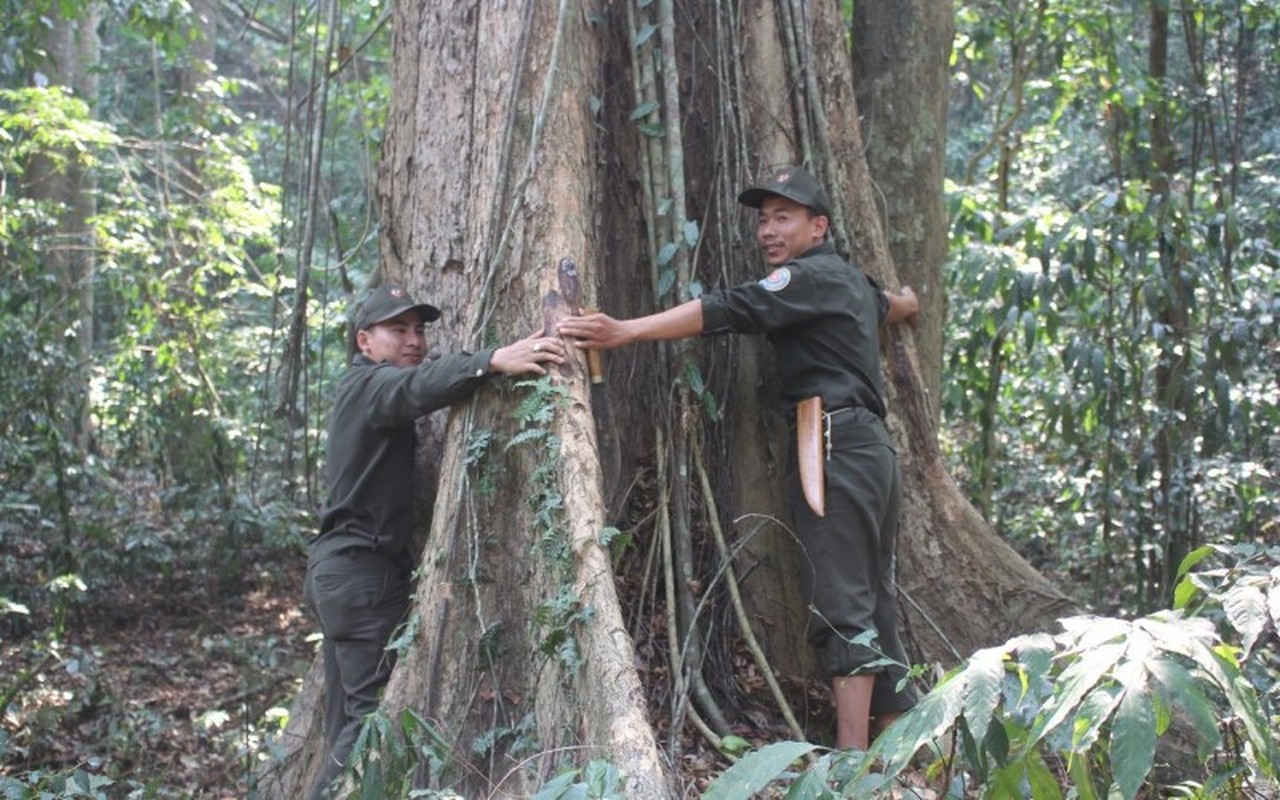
[[821, 248]]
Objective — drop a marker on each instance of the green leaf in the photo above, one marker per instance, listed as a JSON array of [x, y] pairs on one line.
[[372, 783], [756, 770], [1077, 680], [1034, 657], [7, 606], [1190, 638], [666, 253], [644, 34], [607, 535], [694, 376], [984, 680], [691, 232], [997, 741], [1092, 715], [1090, 258], [666, 279], [1082, 777], [1246, 609], [555, 788], [1194, 557], [969, 747], [644, 109], [932, 716], [1243, 698], [1067, 280], [1133, 740], [709, 402], [812, 783], [1183, 593], [602, 778], [1007, 780], [1044, 784], [1085, 632]]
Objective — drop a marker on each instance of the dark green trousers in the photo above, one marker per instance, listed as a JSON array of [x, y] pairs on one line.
[[850, 558], [360, 598]]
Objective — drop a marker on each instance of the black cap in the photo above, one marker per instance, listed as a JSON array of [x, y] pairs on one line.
[[793, 183], [391, 300]]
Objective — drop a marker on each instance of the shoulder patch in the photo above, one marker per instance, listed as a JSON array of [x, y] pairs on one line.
[[777, 280]]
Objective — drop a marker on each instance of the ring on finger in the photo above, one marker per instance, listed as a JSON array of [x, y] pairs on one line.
[[537, 348]]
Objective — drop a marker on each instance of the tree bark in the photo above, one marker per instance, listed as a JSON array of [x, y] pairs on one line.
[[512, 144], [497, 592], [901, 55], [73, 46]]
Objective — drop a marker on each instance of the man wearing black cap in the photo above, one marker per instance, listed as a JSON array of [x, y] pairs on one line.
[[822, 316], [359, 564]]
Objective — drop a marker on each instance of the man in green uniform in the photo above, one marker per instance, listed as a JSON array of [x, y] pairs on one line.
[[359, 564], [822, 316]]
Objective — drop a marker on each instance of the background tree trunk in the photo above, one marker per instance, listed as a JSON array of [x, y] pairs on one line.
[[515, 139], [901, 59], [72, 43]]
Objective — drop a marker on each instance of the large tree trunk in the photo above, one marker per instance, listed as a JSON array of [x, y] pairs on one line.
[[490, 181], [511, 144]]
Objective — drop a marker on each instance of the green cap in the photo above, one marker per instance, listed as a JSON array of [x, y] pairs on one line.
[[391, 300], [793, 183]]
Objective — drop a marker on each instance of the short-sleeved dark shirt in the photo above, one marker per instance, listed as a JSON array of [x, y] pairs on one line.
[[371, 448], [822, 315]]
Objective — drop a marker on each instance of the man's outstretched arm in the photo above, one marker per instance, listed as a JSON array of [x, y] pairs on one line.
[[603, 332]]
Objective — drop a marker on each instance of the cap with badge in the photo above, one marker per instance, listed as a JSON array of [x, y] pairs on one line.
[[388, 301], [793, 183]]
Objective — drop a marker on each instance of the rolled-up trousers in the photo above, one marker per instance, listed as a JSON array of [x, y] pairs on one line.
[[849, 556]]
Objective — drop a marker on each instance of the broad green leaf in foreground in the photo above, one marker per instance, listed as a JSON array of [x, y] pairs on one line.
[[756, 770]]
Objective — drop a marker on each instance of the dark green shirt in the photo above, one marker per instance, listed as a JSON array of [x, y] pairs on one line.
[[371, 448], [822, 315]]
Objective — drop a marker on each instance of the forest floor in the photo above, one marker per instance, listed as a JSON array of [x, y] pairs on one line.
[[171, 688], [165, 688]]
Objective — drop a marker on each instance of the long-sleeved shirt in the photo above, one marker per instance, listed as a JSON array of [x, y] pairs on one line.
[[371, 448]]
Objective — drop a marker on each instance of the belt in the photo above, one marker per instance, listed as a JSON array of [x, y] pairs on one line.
[[791, 415], [356, 551], [826, 426]]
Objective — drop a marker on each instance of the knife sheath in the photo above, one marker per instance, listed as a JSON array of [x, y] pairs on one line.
[[811, 453]]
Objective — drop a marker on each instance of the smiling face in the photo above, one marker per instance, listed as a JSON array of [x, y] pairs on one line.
[[786, 229], [399, 340]]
